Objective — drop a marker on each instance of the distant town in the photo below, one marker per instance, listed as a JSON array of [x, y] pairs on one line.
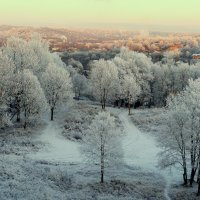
[[62, 40]]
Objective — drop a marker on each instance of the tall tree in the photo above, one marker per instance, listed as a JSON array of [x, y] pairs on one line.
[[130, 90], [182, 141], [33, 101]]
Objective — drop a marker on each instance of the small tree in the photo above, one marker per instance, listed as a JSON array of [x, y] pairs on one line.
[[102, 142], [130, 90], [57, 86], [79, 84]]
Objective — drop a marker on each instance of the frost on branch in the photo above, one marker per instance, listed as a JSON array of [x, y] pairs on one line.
[[102, 142]]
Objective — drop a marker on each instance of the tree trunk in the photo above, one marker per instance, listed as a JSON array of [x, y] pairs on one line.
[[198, 181], [129, 103], [104, 99], [119, 103], [18, 116], [104, 105], [79, 94], [25, 119], [198, 192], [102, 176], [102, 162], [52, 113], [192, 155], [18, 108], [18, 113], [25, 124], [193, 172], [185, 176], [198, 177]]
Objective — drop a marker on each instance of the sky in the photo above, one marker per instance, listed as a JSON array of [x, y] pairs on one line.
[[163, 15]]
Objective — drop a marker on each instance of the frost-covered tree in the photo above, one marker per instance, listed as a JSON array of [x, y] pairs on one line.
[[104, 80], [33, 55], [183, 75], [6, 76], [57, 86], [39, 49], [130, 89], [19, 51], [139, 65], [182, 139], [33, 101], [76, 64], [6, 80], [176, 138], [25, 62], [101, 143], [192, 102], [159, 86], [80, 84]]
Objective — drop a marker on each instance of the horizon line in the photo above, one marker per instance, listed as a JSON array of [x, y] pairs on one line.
[[99, 27]]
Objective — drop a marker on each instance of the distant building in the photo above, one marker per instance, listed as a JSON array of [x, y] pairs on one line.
[[196, 56]]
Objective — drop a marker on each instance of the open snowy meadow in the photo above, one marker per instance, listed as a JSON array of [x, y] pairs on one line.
[[47, 163]]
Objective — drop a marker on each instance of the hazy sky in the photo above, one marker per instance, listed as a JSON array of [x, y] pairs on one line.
[[177, 15]]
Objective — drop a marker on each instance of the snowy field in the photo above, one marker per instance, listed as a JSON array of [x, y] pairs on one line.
[[46, 163]]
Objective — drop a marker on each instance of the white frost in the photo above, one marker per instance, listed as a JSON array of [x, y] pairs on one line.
[[139, 149], [59, 149]]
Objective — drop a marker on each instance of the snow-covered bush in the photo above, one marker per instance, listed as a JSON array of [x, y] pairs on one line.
[[4, 118]]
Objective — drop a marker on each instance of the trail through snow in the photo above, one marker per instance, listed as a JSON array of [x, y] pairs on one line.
[[58, 148], [141, 149]]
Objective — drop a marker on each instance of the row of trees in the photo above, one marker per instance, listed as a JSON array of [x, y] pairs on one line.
[[154, 45], [133, 76], [31, 80]]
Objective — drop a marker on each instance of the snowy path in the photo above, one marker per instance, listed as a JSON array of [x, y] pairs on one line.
[[58, 148], [141, 149]]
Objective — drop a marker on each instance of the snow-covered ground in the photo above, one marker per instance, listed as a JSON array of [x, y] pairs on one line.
[[59, 168], [140, 149], [57, 148], [151, 123]]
